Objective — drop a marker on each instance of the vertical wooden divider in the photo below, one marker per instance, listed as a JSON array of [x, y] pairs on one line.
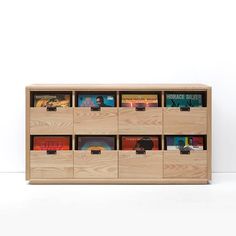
[[117, 136], [162, 135], [73, 135]]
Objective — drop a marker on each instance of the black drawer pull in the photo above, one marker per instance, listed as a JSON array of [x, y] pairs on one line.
[[51, 152], [140, 108], [95, 108], [184, 152], [140, 151], [184, 108], [51, 108], [96, 152]]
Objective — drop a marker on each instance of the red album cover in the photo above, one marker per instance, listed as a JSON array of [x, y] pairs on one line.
[[51, 143], [140, 143]]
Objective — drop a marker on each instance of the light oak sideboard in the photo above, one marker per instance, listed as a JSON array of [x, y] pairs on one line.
[[119, 166]]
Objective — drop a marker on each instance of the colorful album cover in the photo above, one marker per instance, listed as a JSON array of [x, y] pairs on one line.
[[139, 100], [51, 143], [96, 100], [185, 143], [140, 143], [96, 143], [184, 100], [52, 100]]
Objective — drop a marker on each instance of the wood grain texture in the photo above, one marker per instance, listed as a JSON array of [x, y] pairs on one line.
[[120, 181], [95, 122], [140, 122], [141, 166], [55, 166], [114, 87], [185, 166], [87, 165], [51, 122], [185, 122]]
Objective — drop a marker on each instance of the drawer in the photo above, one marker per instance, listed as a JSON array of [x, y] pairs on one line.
[[140, 166], [103, 165], [148, 121], [55, 166], [51, 122], [185, 122], [103, 121], [193, 165]]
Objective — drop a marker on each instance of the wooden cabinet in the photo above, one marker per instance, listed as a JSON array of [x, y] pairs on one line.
[[119, 166]]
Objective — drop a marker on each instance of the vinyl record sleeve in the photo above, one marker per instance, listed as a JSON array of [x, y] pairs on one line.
[[96, 143], [140, 142], [139, 100], [185, 143], [51, 143], [96, 100], [52, 100], [184, 100]]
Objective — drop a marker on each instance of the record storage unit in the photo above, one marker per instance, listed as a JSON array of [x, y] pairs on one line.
[[119, 166]]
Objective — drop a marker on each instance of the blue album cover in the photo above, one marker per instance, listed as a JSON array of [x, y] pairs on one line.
[[184, 100], [96, 100]]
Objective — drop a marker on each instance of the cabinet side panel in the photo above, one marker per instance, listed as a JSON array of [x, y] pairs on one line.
[[27, 133], [209, 133]]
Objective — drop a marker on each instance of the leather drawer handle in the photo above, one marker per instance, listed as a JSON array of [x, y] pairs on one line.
[[95, 108], [51, 108], [140, 108], [96, 152], [140, 152], [184, 108], [51, 152]]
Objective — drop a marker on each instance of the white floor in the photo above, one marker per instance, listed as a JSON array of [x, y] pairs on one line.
[[117, 209]]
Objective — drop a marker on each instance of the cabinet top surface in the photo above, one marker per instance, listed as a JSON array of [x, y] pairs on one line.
[[118, 87]]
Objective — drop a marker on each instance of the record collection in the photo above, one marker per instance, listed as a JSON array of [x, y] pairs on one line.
[[96, 143], [140, 143], [185, 143], [96, 100], [139, 100], [51, 143], [184, 100], [52, 100]]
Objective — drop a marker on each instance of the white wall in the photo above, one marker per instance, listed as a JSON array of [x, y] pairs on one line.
[[115, 42]]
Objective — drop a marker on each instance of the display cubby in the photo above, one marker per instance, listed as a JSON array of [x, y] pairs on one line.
[[116, 165]]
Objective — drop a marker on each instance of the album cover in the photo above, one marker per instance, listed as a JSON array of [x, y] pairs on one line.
[[184, 100], [51, 143], [139, 100], [52, 100], [185, 143], [140, 143], [96, 100], [96, 143]]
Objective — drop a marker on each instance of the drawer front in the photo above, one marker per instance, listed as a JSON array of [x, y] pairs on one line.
[[193, 165], [87, 165], [95, 122], [140, 166], [56, 166], [51, 122], [185, 122], [140, 122]]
